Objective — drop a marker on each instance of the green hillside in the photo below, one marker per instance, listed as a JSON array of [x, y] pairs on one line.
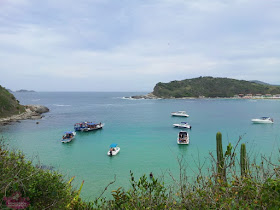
[[8, 104], [211, 87]]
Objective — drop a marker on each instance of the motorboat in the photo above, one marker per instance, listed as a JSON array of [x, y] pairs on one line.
[[114, 149], [68, 136], [88, 126], [179, 114], [183, 137], [263, 120], [93, 126], [182, 125]]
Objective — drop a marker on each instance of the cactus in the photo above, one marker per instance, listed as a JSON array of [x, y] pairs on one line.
[[220, 155], [243, 160]]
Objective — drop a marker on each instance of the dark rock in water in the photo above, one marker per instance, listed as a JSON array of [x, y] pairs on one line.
[[45, 167], [148, 96], [138, 97]]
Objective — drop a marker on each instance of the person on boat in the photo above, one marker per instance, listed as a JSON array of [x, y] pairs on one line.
[[151, 175]]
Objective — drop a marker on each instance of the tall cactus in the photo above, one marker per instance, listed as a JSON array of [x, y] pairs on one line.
[[220, 155], [243, 160]]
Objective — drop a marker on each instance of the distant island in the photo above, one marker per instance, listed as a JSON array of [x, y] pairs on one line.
[[212, 87], [24, 91]]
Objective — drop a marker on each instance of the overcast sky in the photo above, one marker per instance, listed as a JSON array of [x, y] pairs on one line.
[[130, 45]]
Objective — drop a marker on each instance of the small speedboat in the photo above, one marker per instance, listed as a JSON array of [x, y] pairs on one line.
[[114, 149], [68, 136], [182, 125], [183, 137], [179, 114], [263, 120]]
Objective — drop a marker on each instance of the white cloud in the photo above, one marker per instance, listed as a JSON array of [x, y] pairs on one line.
[[133, 45]]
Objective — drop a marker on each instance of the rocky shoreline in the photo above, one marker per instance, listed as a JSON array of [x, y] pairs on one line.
[[32, 112], [148, 96], [152, 96]]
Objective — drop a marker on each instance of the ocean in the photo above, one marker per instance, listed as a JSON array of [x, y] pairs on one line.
[[142, 129]]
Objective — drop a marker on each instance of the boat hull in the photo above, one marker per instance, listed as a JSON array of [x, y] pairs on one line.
[[259, 121], [117, 150], [179, 115], [183, 142], [93, 129], [67, 140], [181, 126]]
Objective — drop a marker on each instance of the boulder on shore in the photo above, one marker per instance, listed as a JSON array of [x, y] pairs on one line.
[[31, 112], [37, 108]]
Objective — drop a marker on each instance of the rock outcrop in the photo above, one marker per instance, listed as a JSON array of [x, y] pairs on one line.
[[31, 112], [148, 96]]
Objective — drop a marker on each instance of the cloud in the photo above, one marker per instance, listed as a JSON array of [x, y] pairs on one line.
[[132, 45]]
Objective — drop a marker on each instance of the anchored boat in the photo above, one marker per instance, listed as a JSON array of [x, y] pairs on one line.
[[68, 136], [93, 126], [88, 126], [114, 149], [263, 120], [183, 137], [179, 114], [182, 125]]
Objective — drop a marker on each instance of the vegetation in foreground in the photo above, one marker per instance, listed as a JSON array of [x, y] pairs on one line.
[[24, 185], [8, 104], [212, 87], [231, 182]]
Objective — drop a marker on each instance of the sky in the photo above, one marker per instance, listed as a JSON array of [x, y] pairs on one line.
[[130, 45]]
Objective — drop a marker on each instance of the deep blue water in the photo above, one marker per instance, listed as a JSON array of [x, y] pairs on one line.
[[142, 128]]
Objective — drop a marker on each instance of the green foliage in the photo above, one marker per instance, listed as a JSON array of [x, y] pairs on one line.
[[44, 188], [8, 104], [47, 189], [260, 190], [211, 87]]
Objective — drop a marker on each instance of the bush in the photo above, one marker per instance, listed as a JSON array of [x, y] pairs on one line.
[[41, 188]]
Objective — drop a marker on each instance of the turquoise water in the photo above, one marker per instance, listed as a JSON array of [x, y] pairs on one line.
[[142, 128]]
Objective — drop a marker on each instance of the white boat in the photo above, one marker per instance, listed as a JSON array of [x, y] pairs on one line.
[[68, 136], [179, 114], [263, 120], [182, 125], [114, 149], [183, 138]]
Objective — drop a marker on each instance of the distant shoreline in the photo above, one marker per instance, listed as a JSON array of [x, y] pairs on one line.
[[152, 96]]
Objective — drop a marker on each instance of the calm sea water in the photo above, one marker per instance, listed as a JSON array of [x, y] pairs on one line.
[[142, 128]]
